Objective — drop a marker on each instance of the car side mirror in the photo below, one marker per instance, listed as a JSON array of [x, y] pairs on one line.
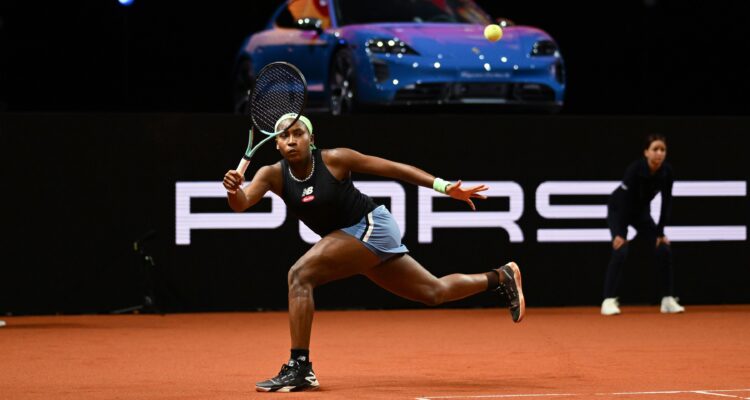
[[504, 22], [310, 24]]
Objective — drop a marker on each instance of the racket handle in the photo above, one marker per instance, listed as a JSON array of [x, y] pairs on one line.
[[243, 166]]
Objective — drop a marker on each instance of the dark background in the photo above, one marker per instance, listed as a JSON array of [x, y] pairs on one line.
[[70, 221], [653, 57], [114, 104]]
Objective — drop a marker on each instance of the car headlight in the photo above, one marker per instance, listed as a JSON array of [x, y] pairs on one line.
[[545, 48], [389, 46]]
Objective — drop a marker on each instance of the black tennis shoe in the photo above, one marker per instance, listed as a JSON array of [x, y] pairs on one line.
[[294, 376], [510, 289]]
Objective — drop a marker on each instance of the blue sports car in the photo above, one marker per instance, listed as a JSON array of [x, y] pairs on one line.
[[359, 53]]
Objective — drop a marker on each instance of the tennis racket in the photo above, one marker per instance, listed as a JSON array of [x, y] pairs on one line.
[[280, 89]]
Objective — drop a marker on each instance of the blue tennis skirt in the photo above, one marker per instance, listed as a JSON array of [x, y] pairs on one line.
[[379, 232]]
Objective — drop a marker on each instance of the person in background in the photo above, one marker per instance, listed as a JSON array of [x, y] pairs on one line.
[[630, 204]]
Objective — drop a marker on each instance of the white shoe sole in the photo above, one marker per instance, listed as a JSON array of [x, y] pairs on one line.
[[288, 389], [519, 289]]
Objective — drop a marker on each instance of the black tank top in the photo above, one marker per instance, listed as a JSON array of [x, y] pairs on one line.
[[323, 202]]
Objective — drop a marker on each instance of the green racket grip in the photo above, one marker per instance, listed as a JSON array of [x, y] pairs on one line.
[[262, 142], [245, 161], [248, 152], [242, 167]]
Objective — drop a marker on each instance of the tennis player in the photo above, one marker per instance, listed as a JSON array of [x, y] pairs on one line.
[[357, 237], [630, 204]]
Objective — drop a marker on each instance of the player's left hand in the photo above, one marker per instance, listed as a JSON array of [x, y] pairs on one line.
[[466, 194], [662, 240]]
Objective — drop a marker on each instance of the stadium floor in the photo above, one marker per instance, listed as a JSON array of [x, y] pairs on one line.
[[571, 353]]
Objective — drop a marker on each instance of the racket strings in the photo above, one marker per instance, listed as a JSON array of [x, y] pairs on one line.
[[279, 90]]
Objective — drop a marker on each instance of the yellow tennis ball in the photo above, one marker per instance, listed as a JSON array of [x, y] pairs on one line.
[[493, 32]]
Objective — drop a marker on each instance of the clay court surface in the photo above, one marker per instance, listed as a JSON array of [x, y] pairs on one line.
[[569, 353]]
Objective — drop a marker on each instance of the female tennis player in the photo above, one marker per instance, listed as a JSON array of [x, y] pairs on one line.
[[357, 237], [630, 204]]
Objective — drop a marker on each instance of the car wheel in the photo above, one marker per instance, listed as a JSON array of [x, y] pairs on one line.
[[243, 85], [341, 83]]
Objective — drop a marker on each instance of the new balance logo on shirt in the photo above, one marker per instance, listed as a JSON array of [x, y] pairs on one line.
[[307, 195]]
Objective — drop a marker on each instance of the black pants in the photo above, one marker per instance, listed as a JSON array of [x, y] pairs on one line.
[[646, 231]]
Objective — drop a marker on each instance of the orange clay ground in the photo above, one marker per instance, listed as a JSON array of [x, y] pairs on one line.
[[571, 353]]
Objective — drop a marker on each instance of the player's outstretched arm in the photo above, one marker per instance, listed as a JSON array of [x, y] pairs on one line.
[[362, 163], [240, 199]]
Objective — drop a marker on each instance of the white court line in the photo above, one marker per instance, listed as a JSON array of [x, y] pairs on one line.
[[498, 396], [719, 394], [502, 396], [703, 391]]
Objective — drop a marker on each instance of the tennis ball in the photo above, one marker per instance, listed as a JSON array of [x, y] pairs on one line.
[[493, 32]]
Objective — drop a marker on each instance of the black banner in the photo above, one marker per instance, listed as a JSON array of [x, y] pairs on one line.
[[103, 209]]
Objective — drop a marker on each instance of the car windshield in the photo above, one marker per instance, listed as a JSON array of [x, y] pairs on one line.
[[350, 12]]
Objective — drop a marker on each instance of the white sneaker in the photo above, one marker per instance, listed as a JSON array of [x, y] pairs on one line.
[[610, 306], [2, 323], [669, 305]]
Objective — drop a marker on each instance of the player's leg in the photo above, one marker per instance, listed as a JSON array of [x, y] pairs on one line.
[[336, 256], [405, 277]]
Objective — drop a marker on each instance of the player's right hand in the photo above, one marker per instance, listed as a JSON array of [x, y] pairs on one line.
[[233, 181], [618, 241]]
